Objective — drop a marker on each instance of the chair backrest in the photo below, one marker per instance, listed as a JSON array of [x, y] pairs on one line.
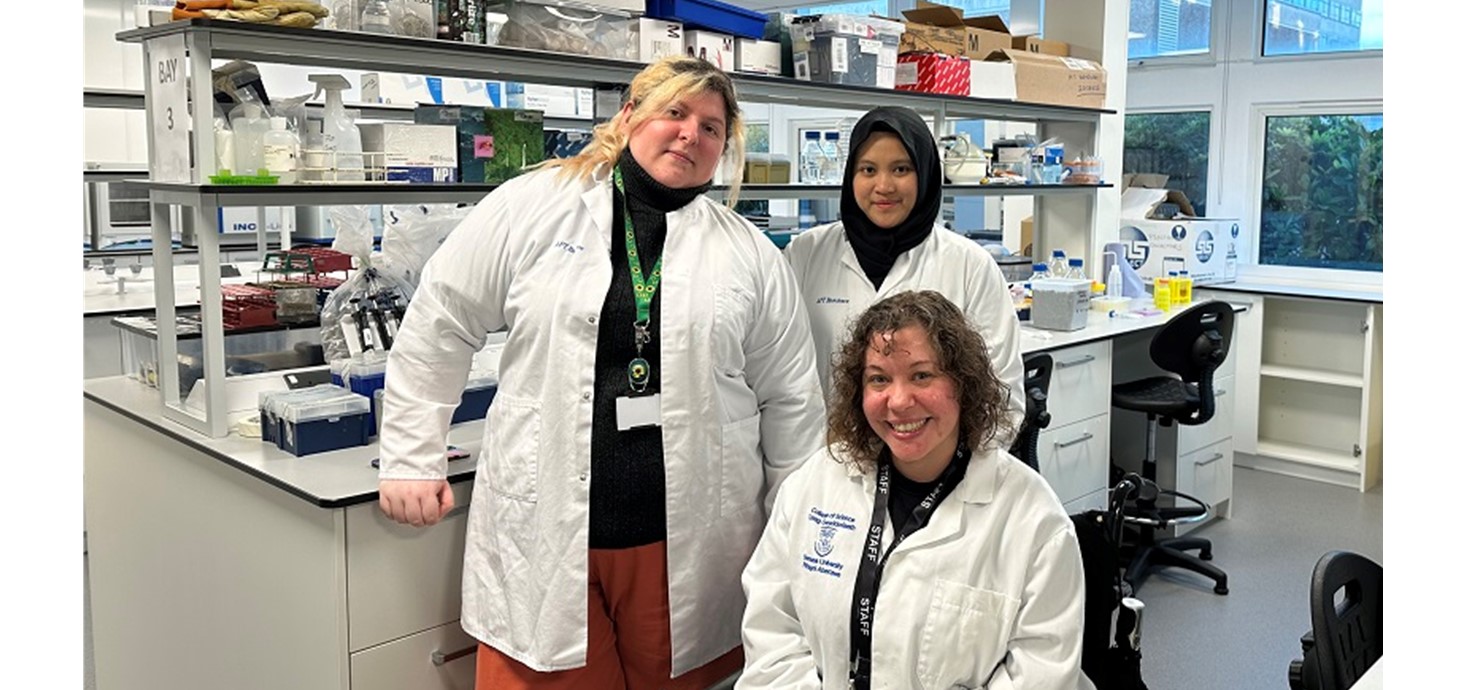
[[1348, 635], [1038, 368], [1192, 345]]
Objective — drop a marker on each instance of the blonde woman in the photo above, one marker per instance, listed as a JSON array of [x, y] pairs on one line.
[[658, 383]]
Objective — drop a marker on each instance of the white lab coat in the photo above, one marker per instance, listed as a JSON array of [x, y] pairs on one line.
[[741, 407], [837, 291], [989, 594]]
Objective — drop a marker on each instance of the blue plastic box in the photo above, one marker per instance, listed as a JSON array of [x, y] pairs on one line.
[[474, 401], [325, 424], [709, 15]]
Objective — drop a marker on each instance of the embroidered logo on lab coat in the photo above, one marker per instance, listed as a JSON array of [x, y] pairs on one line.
[[828, 525]]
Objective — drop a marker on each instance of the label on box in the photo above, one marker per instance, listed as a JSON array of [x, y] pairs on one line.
[[838, 54], [870, 45], [802, 66], [907, 74], [484, 146]]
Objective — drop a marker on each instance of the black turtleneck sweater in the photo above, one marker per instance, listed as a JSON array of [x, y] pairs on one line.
[[626, 497]]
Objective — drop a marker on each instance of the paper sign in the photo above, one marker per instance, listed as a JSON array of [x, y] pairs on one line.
[[168, 104]]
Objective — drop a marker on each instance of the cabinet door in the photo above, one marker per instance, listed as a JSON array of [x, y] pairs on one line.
[[1074, 458], [1079, 388], [403, 579], [1095, 500], [442, 658]]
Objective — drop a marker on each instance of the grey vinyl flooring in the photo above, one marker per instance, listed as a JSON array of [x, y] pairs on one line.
[[1279, 526], [1196, 640]]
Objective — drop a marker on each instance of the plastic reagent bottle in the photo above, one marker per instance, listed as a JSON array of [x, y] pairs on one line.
[[1059, 267], [1186, 287], [249, 127], [831, 166], [281, 151], [341, 138], [811, 155], [1114, 287]]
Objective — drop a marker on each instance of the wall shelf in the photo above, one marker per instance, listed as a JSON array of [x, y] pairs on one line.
[[1332, 378], [1311, 455]]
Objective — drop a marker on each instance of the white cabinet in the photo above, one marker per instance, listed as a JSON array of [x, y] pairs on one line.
[[1320, 412], [1074, 451], [442, 658], [1193, 459]]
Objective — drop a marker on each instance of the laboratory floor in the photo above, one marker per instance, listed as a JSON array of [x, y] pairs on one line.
[[1196, 640]]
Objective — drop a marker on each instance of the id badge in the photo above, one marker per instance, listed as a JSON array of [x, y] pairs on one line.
[[640, 411]]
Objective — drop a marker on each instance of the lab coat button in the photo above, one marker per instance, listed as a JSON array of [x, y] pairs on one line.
[[587, 396], [583, 477], [592, 320]]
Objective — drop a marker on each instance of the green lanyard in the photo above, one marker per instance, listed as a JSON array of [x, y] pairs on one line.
[[643, 294]]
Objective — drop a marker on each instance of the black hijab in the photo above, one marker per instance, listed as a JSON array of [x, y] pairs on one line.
[[877, 248]]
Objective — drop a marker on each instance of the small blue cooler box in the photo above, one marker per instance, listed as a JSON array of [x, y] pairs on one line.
[[709, 15]]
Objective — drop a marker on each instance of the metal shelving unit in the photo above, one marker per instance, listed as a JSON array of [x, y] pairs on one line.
[[203, 40]]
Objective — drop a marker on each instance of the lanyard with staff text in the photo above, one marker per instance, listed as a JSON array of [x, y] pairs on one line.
[[869, 573], [643, 293]]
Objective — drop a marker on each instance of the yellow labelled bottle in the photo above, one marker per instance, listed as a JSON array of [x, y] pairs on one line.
[[1162, 294], [1186, 287]]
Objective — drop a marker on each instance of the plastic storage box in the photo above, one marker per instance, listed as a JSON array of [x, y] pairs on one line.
[[709, 15], [846, 49], [564, 29], [475, 400], [1060, 304], [327, 422]]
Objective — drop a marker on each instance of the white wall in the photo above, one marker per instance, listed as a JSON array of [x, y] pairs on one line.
[[1238, 86]]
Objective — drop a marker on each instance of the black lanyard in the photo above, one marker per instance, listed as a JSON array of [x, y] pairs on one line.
[[869, 573]]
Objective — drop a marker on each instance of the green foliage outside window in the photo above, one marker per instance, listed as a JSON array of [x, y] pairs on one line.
[[1323, 192], [1173, 144]]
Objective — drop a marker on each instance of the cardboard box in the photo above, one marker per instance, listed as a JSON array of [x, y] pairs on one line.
[[757, 57], [1204, 247], [942, 29], [410, 152], [1043, 46], [659, 38], [551, 100], [933, 73], [991, 80], [1054, 80], [715, 48]]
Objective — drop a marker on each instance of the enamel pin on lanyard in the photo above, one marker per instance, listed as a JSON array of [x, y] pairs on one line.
[[638, 409]]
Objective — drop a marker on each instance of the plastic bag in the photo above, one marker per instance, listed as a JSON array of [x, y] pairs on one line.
[[363, 314], [354, 233], [412, 234]]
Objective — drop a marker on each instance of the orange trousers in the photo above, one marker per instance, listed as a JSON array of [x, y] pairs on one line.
[[628, 634]]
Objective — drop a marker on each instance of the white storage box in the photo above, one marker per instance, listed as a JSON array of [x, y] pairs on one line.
[[757, 57], [1060, 304], [411, 152], [715, 48], [659, 38], [1204, 247]]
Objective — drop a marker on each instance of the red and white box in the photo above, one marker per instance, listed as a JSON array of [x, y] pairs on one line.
[[932, 73]]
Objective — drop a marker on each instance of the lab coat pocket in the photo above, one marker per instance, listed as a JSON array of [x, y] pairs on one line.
[[741, 474], [966, 635], [734, 308], [510, 460]]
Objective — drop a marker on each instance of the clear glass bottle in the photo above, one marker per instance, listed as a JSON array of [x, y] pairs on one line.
[[375, 17], [831, 166], [1077, 269], [1041, 271], [811, 155], [1059, 266], [281, 151]]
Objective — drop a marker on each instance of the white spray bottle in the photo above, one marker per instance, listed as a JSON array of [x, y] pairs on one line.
[[341, 139]]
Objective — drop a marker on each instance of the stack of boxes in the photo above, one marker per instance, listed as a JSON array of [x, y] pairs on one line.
[[845, 49], [490, 144]]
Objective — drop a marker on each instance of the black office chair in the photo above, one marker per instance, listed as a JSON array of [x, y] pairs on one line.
[[1348, 636], [1038, 368], [1111, 657], [1190, 346]]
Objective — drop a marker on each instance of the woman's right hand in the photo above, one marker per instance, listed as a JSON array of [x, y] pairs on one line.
[[416, 502]]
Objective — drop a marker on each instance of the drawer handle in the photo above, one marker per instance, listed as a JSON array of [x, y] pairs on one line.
[[1066, 444], [1220, 392], [1209, 460], [457, 511], [441, 659], [1075, 362]]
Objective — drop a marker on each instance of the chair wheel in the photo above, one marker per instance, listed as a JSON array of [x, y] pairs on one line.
[[1220, 589]]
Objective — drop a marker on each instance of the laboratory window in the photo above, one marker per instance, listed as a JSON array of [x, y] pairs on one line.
[[1297, 27], [1166, 28], [1177, 145]]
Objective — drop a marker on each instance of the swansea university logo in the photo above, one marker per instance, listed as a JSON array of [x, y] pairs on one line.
[[823, 540]]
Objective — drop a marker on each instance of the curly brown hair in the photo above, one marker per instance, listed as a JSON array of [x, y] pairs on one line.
[[962, 355]]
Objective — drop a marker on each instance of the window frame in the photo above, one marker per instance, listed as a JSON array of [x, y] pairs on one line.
[[1252, 268], [1259, 44], [1216, 44], [1213, 151]]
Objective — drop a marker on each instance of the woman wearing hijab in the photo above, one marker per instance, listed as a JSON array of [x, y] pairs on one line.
[[888, 241]]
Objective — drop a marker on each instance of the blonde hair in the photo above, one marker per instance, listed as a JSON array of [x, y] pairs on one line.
[[652, 92]]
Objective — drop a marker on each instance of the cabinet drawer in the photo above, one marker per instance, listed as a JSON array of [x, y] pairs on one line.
[[1075, 458], [407, 664], [402, 579], [1220, 425], [1206, 473], [1095, 500], [1079, 388]]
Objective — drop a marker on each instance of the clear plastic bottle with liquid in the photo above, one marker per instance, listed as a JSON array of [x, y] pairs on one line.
[[281, 151], [811, 158], [375, 17], [1059, 266], [831, 152]]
